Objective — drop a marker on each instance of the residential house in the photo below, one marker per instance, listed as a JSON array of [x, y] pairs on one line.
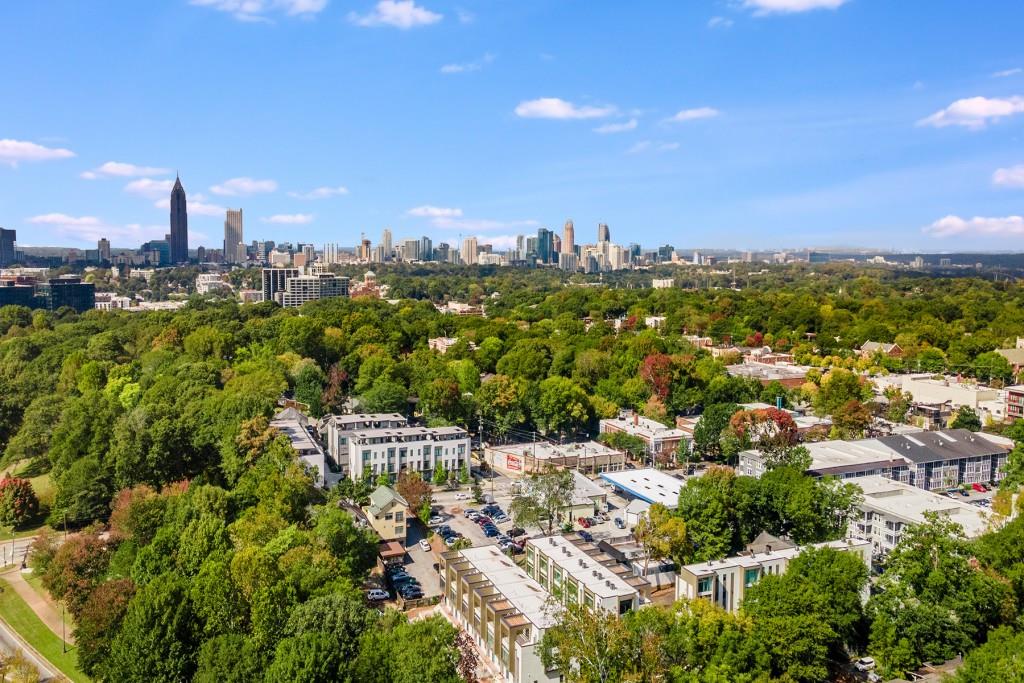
[[662, 442], [870, 348], [388, 514]]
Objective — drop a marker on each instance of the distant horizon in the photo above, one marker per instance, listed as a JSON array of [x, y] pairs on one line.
[[754, 122]]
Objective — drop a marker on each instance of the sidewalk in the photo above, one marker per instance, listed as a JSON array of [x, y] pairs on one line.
[[45, 609]]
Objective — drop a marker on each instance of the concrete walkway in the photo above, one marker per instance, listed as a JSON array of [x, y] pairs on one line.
[[47, 611]]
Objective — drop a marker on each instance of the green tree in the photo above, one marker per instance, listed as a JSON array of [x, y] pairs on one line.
[[563, 406], [967, 419], [385, 397], [1001, 658], [708, 432], [547, 495], [838, 388]]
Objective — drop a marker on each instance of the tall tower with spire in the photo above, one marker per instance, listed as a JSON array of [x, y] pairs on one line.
[[178, 237]]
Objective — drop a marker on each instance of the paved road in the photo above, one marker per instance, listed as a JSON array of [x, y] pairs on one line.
[[10, 642]]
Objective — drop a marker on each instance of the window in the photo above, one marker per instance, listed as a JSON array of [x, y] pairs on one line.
[[750, 577], [704, 585], [400, 530], [366, 456], [388, 516], [399, 516], [342, 440]]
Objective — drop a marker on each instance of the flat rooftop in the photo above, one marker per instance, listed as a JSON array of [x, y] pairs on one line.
[[649, 485], [749, 561], [834, 456], [643, 427], [525, 594], [302, 442], [357, 418], [542, 450], [407, 431], [909, 503], [583, 567], [767, 371]]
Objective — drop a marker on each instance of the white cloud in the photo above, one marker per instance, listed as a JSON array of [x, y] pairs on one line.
[[975, 112], [428, 211], [256, 10], [465, 67], [555, 108], [479, 224], [954, 225], [692, 114], [403, 14], [320, 193], [617, 127], [241, 187], [1009, 177], [91, 228], [649, 146], [150, 188], [1005, 73], [499, 242], [465, 16], [764, 7], [196, 205], [14, 151], [720, 22], [289, 218], [119, 169]]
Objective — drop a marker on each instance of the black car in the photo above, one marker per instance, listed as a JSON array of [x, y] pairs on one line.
[[516, 531], [586, 536], [411, 592]]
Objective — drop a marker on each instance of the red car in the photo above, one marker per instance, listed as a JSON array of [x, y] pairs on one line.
[[584, 522], [978, 487]]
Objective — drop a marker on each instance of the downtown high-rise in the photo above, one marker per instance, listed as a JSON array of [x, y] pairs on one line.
[[178, 237], [234, 248]]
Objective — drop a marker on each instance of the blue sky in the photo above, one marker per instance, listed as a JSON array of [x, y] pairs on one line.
[[725, 123]]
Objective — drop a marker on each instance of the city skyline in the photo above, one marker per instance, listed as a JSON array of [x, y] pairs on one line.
[[746, 125]]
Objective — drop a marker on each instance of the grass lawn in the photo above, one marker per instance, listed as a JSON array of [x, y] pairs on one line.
[[20, 617]]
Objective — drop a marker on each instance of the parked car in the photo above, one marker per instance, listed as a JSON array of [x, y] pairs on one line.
[[451, 540], [978, 487], [375, 594], [483, 519], [424, 545], [469, 513], [516, 531], [619, 524], [435, 520], [491, 531], [583, 522], [412, 593], [444, 530], [461, 496], [586, 536], [864, 664], [965, 494], [501, 519]]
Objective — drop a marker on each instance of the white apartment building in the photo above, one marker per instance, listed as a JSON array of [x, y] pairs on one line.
[[207, 282], [579, 573], [889, 507], [108, 302], [302, 288], [377, 444], [724, 582], [504, 609]]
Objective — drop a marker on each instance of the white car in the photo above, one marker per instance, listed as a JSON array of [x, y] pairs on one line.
[[864, 664], [375, 594], [424, 545], [461, 496]]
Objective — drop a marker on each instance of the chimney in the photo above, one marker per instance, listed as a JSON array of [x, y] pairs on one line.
[[636, 419]]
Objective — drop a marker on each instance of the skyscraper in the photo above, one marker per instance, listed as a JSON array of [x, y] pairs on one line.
[[545, 245], [179, 224], [7, 238], [569, 238], [426, 248], [103, 247], [603, 234], [234, 249], [469, 251], [385, 241]]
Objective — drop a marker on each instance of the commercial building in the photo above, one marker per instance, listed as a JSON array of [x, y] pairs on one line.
[[649, 485], [1015, 402], [662, 442], [386, 444], [789, 376], [502, 607], [724, 582], [889, 507], [928, 460], [528, 458], [469, 251], [388, 514], [569, 239], [302, 288], [577, 572]]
